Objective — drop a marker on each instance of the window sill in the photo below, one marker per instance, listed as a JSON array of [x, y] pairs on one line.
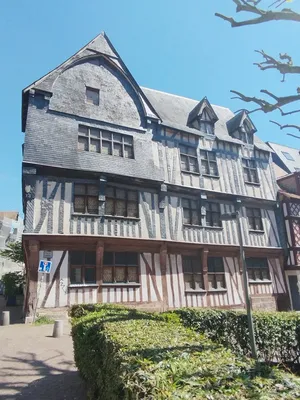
[[192, 226], [129, 284], [120, 217], [256, 231], [189, 291], [80, 285], [75, 214], [252, 183], [217, 290], [211, 176], [258, 282], [190, 172], [217, 228]]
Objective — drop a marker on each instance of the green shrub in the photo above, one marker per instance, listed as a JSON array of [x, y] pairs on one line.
[[43, 320], [126, 354], [277, 334]]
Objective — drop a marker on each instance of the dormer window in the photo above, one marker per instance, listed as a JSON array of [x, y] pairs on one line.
[[241, 127], [203, 117], [246, 133]]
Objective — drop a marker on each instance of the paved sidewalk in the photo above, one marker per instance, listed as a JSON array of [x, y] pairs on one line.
[[35, 366]]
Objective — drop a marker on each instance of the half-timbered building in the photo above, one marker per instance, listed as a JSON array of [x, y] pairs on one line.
[[124, 188]]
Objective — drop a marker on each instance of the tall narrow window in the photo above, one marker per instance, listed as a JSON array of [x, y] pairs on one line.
[[191, 212], [258, 269], [82, 267], [86, 198], [121, 202], [209, 163], [250, 171], [189, 161], [205, 123], [246, 133], [254, 219], [216, 273], [92, 95], [120, 267], [213, 214], [193, 274]]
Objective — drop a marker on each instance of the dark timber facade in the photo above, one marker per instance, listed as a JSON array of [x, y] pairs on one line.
[[123, 189]]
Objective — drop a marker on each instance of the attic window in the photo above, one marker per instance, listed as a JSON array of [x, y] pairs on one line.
[[287, 156], [246, 133], [92, 96]]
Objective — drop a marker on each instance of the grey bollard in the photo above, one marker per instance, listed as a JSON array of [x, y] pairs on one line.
[[58, 329], [5, 318]]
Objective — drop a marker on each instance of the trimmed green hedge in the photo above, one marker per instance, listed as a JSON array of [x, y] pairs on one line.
[[125, 354], [277, 334]]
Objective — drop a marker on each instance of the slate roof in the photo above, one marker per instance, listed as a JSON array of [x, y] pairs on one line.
[[281, 160], [174, 112]]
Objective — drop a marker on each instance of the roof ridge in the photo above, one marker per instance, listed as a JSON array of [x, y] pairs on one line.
[[182, 97], [283, 145]]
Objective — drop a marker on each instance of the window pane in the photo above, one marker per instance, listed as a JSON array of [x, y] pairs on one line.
[[79, 204], [106, 147], [83, 130], [107, 275], [132, 274], [189, 282], [120, 274], [247, 177], [121, 258], [251, 275], [204, 167], [265, 273], [109, 206], [109, 191], [92, 205], [132, 209], [195, 218], [92, 190], [257, 224], [193, 164], [128, 151], [215, 219], [83, 143], [79, 189], [203, 154], [198, 281], [77, 257], [187, 264], [108, 258], [95, 132], [127, 139], [92, 96], [211, 281], [132, 195], [132, 258], [214, 207], [106, 135], [183, 149], [90, 275], [120, 194], [186, 216], [220, 280], [192, 151], [95, 145], [214, 169], [184, 163], [76, 275], [90, 258], [253, 176], [121, 208], [185, 203], [117, 149]]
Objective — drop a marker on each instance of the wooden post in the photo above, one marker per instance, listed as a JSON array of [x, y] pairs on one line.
[[163, 266], [205, 274], [99, 269], [32, 271]]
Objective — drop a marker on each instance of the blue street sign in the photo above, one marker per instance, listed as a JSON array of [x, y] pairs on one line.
[[45, 266]]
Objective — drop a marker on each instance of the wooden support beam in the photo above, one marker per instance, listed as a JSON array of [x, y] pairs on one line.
[[205, 273], [99, 269], [32, 280], [163, 267]]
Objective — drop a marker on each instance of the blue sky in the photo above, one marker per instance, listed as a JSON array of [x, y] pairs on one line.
[[171, 45]]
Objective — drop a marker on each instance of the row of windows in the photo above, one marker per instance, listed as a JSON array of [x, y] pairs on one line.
[[123, 267], [125, 203]]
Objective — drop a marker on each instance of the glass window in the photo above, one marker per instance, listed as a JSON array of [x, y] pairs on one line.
[[188, 157], [250, 171], [209, 163], [254, 219], [213, 214], [82, 267], [287, 156], [86, 198], [92, 96], [120, 267], [258, 269], [191, 212], [121, 202], [193, 274], [216, 273]]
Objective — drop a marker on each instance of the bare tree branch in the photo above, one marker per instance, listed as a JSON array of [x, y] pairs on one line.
[[266, 106], [285, 126], [283, 67], [285, 14]]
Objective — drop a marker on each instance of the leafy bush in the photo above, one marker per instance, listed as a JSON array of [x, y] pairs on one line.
[[123, 354], [277, 334], [43, 320]]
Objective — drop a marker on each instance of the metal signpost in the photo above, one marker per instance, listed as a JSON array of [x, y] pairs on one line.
[[44, 268]]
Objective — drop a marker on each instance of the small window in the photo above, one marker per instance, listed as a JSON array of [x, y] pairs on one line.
[[82, 267], [209, 163], [250, 171], [193, 274], [121, 202], [92, 96], [254, 219], [120, 267], [216, 273], [213, 214], [191, 212], [86, 198], [258, 269], [188, 157], [245, 133], [287, 156]]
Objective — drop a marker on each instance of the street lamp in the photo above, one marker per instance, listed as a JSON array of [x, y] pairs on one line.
[[236, 216]]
